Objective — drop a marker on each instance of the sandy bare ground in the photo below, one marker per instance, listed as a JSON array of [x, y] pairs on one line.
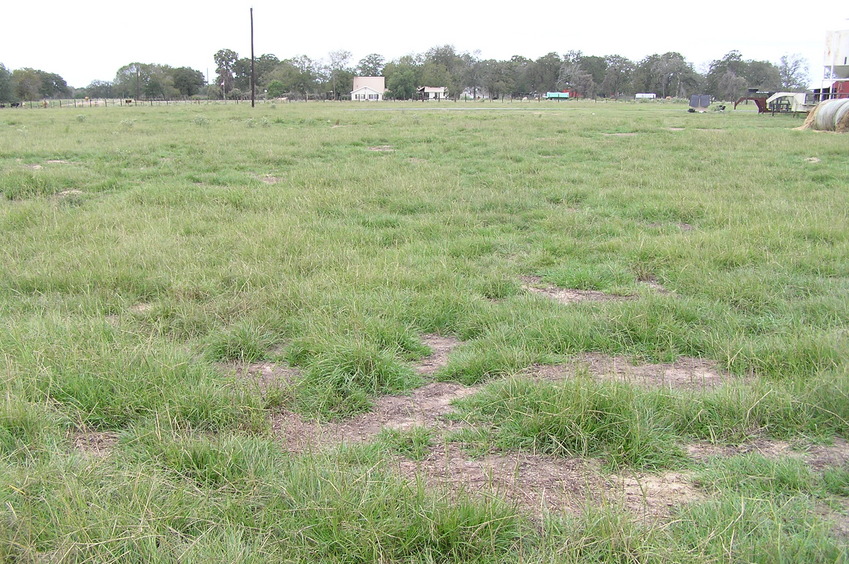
[[684, 373], [538, 484], [535, 285]]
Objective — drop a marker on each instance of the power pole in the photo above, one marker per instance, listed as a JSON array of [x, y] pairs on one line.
[[253, 69]]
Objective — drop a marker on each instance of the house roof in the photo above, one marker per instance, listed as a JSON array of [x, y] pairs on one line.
[[365, 90]]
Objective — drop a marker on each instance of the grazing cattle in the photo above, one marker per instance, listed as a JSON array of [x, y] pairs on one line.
[[15, 104], [2, 105], [128, 101]]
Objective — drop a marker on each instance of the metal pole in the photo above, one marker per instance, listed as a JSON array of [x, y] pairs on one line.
[[253, 69]]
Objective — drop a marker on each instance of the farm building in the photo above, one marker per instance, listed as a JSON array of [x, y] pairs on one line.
[[562, 95], [368, 88], [836, 63], [433, 92]]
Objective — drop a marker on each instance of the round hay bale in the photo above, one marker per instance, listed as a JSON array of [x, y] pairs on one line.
[[809, 120], [831, 115]]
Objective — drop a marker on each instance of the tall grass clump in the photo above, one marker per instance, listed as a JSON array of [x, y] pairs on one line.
[[343, 380], [577, 418]]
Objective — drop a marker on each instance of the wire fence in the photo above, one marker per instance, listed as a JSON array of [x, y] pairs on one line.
[[119, 102]]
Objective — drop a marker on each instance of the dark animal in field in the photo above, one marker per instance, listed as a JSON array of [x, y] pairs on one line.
[[2, 105], [128, 101], [15, 104]]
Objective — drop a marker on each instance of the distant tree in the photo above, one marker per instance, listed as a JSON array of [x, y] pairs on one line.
[[7, 90], [264, 66], [52, 85], [674, 74], [727, 78], [718, 72], [402, 77], [595, 65], [225, 59], [497, 78], [730, 86], [187, 81], [436, 74], [242, 74], [340, 75], [793, 72], [522, 70], [617, 76], [130, 79], [573, 77], [473, 74], [443, 66], [668, 74], [371, 65], [546, 71], [276, 89], [145, 80], [97, 89], [27, 84], [303, 75], [762, 75]]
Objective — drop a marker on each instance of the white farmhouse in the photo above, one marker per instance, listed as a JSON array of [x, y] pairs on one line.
[[368, 88], [433, 92]]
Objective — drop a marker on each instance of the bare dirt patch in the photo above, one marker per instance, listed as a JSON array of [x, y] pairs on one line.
[[66, 193], [817, 456], [541, 484], [141, 308], [298, 435], [98, 444], [535, 285], [382, 148], [56, 161], [674, 129], [269, 179], [425, 407], [537, 484], [440, 348], [684, 373], [266, 375], [620, 134], [812, 160], [657, 495]]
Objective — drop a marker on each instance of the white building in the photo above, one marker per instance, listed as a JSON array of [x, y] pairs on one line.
[[368, 88], [433, 92]]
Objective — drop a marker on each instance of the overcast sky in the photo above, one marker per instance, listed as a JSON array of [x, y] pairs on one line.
[[84, 41]]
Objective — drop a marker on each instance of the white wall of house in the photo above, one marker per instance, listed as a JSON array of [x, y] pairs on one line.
[[368, 88]]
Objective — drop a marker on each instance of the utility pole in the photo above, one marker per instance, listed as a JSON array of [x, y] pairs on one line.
[[253, 68]]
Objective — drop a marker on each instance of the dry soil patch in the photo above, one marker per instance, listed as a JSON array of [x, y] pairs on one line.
[[684, 373], [535, 285], [91, 443], [541, 484], [440, 348], [382, 148], [817, 456], [266, 375]]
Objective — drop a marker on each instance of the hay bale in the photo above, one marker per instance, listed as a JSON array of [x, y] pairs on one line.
[[809, 121]]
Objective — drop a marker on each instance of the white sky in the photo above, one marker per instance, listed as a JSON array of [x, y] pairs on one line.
[[83, 40]]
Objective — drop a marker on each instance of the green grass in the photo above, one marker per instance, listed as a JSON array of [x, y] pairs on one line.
[[142, 247]]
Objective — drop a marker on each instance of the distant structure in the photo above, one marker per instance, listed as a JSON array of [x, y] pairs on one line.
[[836, 72], [432, 92], [562, 94], [368, 88]]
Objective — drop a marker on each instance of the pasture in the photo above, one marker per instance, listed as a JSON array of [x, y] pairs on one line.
[[540, 332]]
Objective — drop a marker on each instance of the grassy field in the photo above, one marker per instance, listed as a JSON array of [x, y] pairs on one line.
[[409, 332]]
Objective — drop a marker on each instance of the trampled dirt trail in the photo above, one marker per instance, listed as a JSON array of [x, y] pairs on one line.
[[537, 483]]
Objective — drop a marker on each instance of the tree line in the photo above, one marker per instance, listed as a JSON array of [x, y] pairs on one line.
[[464, 74]]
